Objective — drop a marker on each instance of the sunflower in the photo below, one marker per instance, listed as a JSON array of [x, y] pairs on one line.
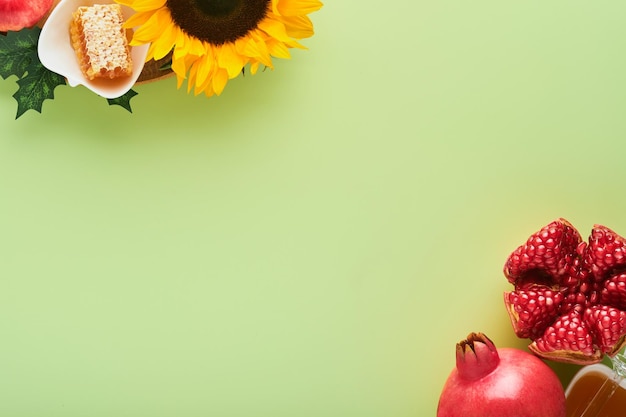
[[213, 40]]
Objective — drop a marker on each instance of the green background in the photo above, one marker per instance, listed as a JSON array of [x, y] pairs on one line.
[[314, 241]]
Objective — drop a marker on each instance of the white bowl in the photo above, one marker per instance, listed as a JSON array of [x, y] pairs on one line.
[[56, 52]]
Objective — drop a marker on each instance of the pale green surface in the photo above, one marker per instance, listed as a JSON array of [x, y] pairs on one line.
[[316, 240]]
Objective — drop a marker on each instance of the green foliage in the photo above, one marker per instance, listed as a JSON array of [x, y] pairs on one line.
[[166, 66], [124, 100], [18, 56], [17, 50], [36, 86]]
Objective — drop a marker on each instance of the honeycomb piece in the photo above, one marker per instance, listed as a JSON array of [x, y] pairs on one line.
[[100, 41]]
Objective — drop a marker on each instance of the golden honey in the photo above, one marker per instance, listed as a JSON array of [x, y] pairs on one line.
[[595, 393]]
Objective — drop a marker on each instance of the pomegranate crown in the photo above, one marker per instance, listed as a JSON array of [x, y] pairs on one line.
[[569, 296], [476, 356]]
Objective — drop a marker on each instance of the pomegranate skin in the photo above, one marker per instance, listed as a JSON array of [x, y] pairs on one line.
[[522, 385], [19, 14]]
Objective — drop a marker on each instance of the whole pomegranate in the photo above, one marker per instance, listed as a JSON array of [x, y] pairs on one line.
[[569, 296], [506, 382], [19, 14]]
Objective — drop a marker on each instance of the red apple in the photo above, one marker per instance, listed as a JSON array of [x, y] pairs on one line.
[[19, 14]]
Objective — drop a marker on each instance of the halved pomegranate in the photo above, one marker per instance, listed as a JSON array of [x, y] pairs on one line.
[[570, 295]]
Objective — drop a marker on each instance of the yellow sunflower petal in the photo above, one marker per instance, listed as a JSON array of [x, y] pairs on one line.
[[229, 59], [297, 7], [128, 3], [259, 48], [204, 68], [179, 68], [275, 6], [150, 54], [137, 19], [142, 5], [295, 44], [195, 46], [206, 86], [152, 29], [181, 43], [188, 47], [208, 90], [166, 41], [254, 67], [278, 50], [220, 78], [274, 28], [192, 79], [298, 27], [182, 65], [248, 48]]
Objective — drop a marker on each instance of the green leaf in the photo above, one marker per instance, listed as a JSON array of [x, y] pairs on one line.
[[36, 86], [19, 57], [124, 100], [166, 66], [17, 51]]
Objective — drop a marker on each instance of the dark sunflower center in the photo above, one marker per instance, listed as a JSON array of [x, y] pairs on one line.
[[218, 8], [218, 21]]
